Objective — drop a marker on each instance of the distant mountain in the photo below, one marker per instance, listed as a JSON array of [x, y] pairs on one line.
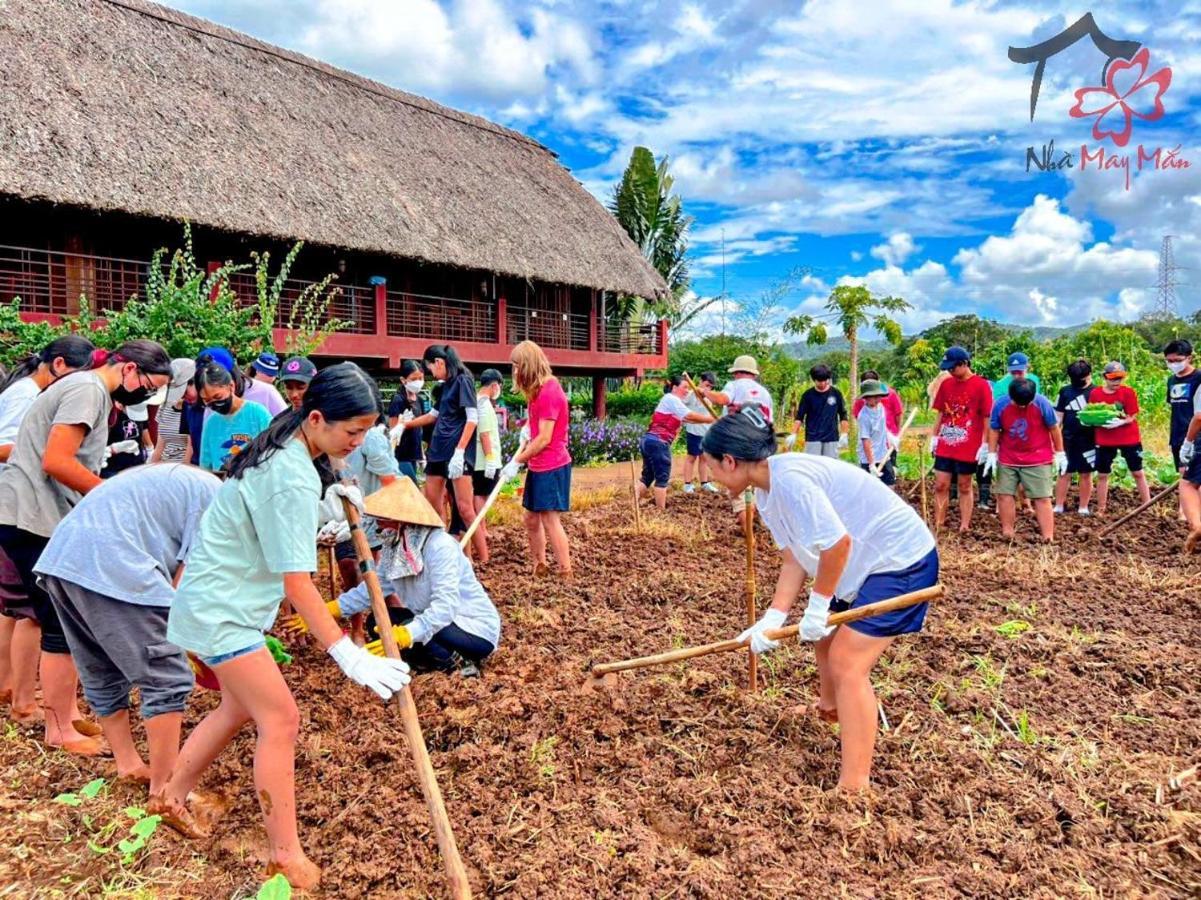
[[801, 350]]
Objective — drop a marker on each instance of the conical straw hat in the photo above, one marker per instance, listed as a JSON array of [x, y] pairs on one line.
[[402, 501]]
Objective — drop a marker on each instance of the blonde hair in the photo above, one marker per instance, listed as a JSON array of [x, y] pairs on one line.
[[531, 369]]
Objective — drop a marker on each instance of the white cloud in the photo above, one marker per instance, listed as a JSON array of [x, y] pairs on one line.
[[898, 248]]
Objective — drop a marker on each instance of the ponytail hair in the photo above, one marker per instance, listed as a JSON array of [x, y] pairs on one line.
[[448, 354], [149, 356], [75, 351], [339, 392], [211, 374], [745, 435]]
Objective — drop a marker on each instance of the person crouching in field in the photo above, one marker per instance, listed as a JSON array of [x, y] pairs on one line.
[[1025, 449], [655, 446], [257, 546], [445, 619], [858, 541], [110, 569]]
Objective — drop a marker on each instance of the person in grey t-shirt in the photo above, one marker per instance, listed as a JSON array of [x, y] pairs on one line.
[[110, 569]]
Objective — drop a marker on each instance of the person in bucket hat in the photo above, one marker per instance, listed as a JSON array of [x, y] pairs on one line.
[[445, 620], [743, 391], [875, 452]]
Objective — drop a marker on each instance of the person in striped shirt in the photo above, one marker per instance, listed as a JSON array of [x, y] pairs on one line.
[[172, 443]]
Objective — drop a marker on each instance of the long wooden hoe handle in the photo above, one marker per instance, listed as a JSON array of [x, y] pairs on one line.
[[455, 872], [1134, 512], [479, 516], [842, 618], [699, 396]]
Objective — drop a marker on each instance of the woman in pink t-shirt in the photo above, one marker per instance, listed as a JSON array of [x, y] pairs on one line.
[[548, 482]]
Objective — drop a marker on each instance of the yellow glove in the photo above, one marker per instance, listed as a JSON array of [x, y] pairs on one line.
[[404, 640], [295, 625]]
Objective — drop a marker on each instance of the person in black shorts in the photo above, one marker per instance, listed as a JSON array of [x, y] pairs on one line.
[[1183, 385], [1079, 441]]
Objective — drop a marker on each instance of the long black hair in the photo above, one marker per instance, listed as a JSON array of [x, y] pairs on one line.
[[408, 367], [339, 392], [76, 352], [149, 356], [745, 435], [446, 353]]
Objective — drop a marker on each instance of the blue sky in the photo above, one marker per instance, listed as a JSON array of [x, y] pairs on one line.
[[881, 142]]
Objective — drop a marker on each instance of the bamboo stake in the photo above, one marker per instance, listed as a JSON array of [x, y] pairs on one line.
[[704, 400], [479, 516], [752, 615], [1130, 515], [634, 488], [335, 587], [842, 618], [921, 473], [455, 872], [880, 463]]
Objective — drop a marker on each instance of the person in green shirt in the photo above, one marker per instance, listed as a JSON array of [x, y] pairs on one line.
[[257, 546], [1018, 367], [487, 435]]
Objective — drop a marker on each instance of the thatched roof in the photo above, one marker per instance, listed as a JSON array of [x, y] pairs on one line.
[[127, 105]]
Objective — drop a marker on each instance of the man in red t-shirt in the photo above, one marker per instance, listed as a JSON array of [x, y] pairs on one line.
[[959, 443], [1118, 435]]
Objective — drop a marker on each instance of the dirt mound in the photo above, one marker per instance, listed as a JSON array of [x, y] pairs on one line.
[[1053, 693]]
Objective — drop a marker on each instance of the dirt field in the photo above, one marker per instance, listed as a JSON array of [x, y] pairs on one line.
[[1053, 694]]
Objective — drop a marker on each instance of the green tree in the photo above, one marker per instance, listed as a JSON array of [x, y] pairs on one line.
[[778, 371], [654, 219], [969, 331], [852, 308]]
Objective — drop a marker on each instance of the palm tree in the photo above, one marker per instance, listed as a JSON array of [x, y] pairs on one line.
[[852, 307], [654, 219]]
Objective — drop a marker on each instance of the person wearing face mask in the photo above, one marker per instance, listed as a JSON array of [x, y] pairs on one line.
[[255, 548], [297, 373], [408, 403], [56, 461], [487, 454], [1119, 435], [1183, 385], [445, 619], [857, 541], [18, 633], [1079, 440], [234, 422]]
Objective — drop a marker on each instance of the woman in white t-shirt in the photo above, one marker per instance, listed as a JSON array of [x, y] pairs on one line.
[[857, 540]]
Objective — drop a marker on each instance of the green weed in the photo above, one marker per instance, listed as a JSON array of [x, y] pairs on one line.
[[1013, 628]]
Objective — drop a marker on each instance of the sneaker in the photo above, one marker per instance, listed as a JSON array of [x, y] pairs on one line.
[[470, 669], [1083, 512], [689, 488], [1058, 510], [710, 487]]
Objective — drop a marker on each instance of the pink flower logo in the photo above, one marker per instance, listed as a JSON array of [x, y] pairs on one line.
[[1128, 92]]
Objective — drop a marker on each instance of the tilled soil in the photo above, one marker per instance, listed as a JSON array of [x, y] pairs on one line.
[[1033, 728]]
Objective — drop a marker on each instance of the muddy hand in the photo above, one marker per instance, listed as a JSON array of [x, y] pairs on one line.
[[404, 640]]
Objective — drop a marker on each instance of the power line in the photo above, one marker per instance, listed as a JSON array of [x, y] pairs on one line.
[[1167, 305]]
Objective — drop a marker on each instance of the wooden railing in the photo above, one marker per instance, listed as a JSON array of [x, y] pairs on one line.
[[51, 282], [350, 303], [442, 319], [548, 328]]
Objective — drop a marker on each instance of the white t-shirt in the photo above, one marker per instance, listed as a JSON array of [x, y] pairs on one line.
[[15, 402], [693, 404], [744, 392], [815, 500]]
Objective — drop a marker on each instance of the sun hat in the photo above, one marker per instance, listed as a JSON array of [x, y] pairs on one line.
[[1018, 362], [953, 357], [745, 363], [1115, 369], [298, 368], [402, 501], [138, 412], [871, 388], [182, 372], [267, 364]]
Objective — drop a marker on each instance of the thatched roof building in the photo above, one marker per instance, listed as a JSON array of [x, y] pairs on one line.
[[124, 105]]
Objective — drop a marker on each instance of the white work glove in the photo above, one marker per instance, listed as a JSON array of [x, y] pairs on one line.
[[108, 454], [933, 444], [877, 469], [124, 447], [510, 471], [990, 464], [817, 613], [406, 416], [382, 675], [1187, 451], [1114, 423], [1061, 462], [331, 503], [982, 454], [760, 643], [395, 435], [454, 468], [790, 442], [490, 469], [842, 442], [337, 532], [524, 434], [892, 441]]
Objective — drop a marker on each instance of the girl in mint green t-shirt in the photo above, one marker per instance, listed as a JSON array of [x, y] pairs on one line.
[[256, 546]]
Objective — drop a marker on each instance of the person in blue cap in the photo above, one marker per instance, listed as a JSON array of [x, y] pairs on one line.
[[265, 368], [1017, 367]]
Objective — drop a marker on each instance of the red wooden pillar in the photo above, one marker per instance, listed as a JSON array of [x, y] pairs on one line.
[[662, 343], [598, 396], [502, 320], [593, 329], [381, 309], [212, 266]]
